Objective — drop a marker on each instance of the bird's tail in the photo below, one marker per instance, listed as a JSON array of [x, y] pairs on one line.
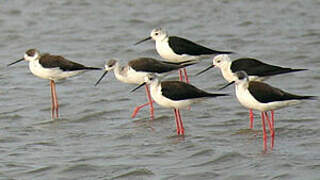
[[216, 95], [307, 97], [93, 68], [184, 63], [222, 52]]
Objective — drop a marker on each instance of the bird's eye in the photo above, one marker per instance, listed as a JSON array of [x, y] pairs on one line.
[[156, 34], [241, 76], [218, 61]]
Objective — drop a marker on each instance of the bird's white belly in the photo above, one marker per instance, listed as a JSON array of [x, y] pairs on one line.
[[50, 73], [165, 102]]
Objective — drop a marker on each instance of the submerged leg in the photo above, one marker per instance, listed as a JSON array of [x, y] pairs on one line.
[[272, 118], [177, 121], [186, 75], [251, 119], [271, 127], [52, 100], [136, 110], [264, 132], [180, 122], [55, 108], [150, 102], [180, 75]]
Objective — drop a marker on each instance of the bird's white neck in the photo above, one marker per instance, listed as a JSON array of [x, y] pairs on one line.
[[227, 73], [119, 72]]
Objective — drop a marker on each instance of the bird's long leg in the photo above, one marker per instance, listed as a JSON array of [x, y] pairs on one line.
[[272, 118], [56, 104], [186, 75], [264, 132], [251, 118], [52, 99], [271, 128], [180, 122], [136, 110], [177, 121], [180, 75], [150, 102]]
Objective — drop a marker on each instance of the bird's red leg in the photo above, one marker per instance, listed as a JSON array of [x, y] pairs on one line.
[[271, 127], [251, 118], [52, 100], [150, 102], [56, 104], [264, 132], [136, 110], [180, 75], [269, 122], [272, 118], [186, 78], [180, 122], [177, 121], [186, 75]]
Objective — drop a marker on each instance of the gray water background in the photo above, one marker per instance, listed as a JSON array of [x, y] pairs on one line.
[[97, 139]]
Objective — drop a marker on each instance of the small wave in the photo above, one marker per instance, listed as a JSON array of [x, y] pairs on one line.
[[135, 173], [226, 157]]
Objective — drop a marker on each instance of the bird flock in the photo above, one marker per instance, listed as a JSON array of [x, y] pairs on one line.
[[179, 53]]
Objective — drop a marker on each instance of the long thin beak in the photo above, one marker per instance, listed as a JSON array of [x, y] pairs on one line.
[[226, 85], [15, 62], [206, 69], [105, 73], [143, 40], [138, 87]]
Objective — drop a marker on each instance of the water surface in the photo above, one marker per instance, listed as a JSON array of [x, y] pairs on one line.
[[97, 139]]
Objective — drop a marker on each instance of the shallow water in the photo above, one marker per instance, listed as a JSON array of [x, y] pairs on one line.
[[97, 139]]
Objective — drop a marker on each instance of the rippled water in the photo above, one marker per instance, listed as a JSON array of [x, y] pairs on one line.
[[97, 139]]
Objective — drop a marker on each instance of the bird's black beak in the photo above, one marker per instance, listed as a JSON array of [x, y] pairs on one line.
[[206, 69], [15, 62], [143, 40], [226, 85], [105, 73], [138, 87]]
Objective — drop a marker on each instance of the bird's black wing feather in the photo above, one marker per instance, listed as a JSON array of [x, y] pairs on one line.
[[51, 61], [152, 65], [265, 93], [255, 67], [177, 90], [183, 46]]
